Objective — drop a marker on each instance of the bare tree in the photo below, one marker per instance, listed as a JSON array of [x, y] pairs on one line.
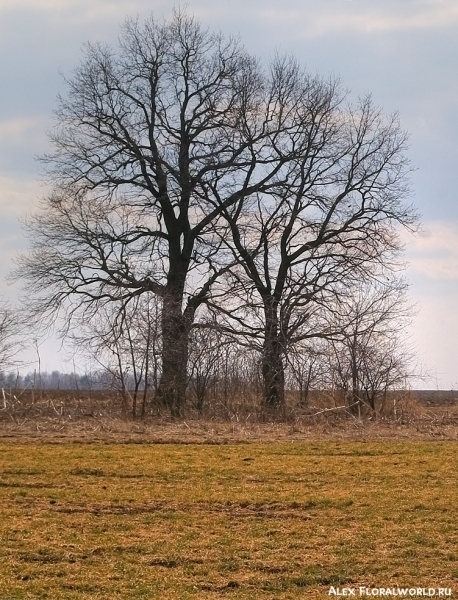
[[372, 356], [205, 355], [154, 141], [333, 217], [124, 342], [11, 338], [307, 365]]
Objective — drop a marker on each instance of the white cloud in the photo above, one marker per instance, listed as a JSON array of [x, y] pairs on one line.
[[435, 337], [434, 253], [86, 10], [387, 19], [17, 197], [317, 18], [21, 140], [19, 130], [53, 5], [433, 273]]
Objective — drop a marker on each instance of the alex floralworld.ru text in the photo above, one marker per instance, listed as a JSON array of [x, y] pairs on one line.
[[391, 592]]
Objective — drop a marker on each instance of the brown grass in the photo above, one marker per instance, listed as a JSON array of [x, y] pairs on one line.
[[278, 520], [60, 416]]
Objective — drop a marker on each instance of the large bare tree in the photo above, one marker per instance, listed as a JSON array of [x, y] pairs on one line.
[[333, 217], [153, 140], [176, 140]]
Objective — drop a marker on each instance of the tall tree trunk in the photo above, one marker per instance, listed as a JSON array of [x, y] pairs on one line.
[[176, 326], [355, 406], [273, 373]]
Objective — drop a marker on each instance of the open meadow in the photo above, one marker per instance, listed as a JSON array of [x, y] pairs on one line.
[[239, 520]]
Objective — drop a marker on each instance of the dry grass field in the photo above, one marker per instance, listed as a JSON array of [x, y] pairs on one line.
[[235, 520], [97, 416]]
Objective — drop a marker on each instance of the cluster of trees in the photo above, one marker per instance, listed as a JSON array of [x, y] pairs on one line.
[[359, 364], [203, 206]]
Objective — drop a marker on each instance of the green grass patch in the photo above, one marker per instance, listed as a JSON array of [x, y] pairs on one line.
[[283, 520]]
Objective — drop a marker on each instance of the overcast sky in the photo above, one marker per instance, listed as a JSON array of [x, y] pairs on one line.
[[405, 53]]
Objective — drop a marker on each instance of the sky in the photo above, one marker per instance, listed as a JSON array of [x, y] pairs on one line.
[[404, 53]]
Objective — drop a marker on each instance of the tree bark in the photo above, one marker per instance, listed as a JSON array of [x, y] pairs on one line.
[[273, 372], [355, 405], [176, 325]]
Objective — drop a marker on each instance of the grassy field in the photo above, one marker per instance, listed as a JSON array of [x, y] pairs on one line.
[[280, 520]]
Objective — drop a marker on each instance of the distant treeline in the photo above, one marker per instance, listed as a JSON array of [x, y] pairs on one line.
[[52, 381]]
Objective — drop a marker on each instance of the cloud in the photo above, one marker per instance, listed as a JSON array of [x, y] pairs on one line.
[[435, 338], [317, 18], [17, 197], [57, 5], [434, 254], [19, 130], [366, 19], [84, 10], [386, 20], [433, 274], [21, 139]]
